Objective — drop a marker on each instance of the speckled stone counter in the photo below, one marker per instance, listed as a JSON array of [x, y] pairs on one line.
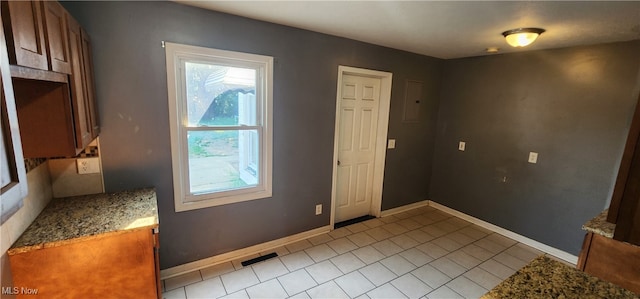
[[599, 225], [73, 219], [547, 278]]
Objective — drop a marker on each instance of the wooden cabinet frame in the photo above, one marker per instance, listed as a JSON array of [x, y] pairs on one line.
[[25, 49], [53, 77], [37, 35], [56, 37], [624, 209], [79, 92], [15, 188], [611, 260]]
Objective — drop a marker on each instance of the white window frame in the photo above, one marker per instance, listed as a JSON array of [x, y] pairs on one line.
[[176, 56]]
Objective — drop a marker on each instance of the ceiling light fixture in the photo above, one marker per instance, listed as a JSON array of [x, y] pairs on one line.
[[522, 37], [492, 50]]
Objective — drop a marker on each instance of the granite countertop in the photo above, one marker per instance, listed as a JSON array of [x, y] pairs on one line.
[[599, 225], [547, 278], [72, 219]]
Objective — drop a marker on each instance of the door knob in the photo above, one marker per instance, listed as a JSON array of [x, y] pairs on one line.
[[338, 162]]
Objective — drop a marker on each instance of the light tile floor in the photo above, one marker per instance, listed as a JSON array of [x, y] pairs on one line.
[[421, 253]]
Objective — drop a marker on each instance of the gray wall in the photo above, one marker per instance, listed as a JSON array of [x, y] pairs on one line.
[[572, 106], [131, 88]]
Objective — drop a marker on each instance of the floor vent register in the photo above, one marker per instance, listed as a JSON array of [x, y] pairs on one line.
[[259, 259]]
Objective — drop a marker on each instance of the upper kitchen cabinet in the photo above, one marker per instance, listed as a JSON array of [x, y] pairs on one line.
[[45, 116], [87, 64], [28, 47], [37, 35], [79, 85], [55, 99], [56, 37]]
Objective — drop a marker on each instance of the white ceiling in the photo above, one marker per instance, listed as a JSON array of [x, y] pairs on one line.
[[448, 29]]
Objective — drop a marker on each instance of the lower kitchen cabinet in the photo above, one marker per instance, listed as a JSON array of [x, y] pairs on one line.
[[113, 266], [95, 246], [611, 260]]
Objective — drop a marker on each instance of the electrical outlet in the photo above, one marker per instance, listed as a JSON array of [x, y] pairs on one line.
[[392, 144], [88, 165], [533, 157], [461, 146], [318, 209]]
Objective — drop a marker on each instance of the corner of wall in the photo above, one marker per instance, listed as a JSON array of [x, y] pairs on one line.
[[65, 177]]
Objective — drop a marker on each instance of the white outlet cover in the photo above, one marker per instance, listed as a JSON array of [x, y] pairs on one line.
[[461, 146], [533, 157], [88, 165], [392, 144], [318, 209]]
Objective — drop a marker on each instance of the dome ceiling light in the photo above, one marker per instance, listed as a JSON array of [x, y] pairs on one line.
[[522, 37]]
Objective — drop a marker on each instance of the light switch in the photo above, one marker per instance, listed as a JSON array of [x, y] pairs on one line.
[[533, 157], [392, 144], [461, 146]]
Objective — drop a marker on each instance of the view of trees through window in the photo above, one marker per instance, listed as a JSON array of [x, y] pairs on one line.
[[221, 109], [220, 106]]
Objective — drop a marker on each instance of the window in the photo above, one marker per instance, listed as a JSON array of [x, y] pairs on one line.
[[220, 119]]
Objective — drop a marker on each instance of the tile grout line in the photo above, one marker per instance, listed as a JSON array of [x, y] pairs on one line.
[[253, 285], [369, 280], [389, 238], [434, 259], [314, 280], [401, 292], [491, 258], [420, 228], [409, 273], [221, 281], [463, 245], [409, 230]]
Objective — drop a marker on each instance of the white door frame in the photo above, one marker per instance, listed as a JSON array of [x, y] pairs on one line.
[[381, 136]]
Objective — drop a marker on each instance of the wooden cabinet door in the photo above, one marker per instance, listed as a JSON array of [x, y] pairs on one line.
[[90, 86], [57, 40], [111, 266], [78, 86], [23, 24], [611, 260]]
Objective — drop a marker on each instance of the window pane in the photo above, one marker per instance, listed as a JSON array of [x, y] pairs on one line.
[[223, 160], [220, 95]]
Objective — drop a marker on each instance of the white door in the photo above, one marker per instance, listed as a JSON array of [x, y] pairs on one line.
[[358, 121]]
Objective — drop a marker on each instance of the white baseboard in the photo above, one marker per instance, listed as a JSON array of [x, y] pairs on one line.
[[404, 208], [236, 254], [570, 258]]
